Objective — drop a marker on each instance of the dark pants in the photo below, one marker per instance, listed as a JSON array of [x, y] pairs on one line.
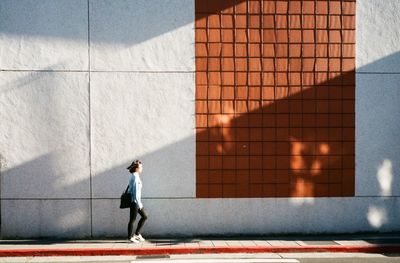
[[134, 210]]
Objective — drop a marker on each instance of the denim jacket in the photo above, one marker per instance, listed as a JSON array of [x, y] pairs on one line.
[[135, 188]]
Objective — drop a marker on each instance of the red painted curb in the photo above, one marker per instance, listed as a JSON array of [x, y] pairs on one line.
[[200, 250]]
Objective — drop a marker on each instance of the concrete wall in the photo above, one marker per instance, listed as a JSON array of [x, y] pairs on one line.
[[89, 85]]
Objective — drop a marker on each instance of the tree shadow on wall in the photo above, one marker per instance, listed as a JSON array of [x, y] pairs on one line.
[[282, 141]]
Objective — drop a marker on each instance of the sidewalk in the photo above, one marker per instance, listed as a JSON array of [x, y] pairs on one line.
[[367, 243]]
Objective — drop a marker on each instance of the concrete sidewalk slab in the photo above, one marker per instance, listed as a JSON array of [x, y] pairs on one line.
[[286, 244]]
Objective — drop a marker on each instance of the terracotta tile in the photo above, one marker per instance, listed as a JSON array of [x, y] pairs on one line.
[[228, 92], [295, 90], [213, 21], [242, 162], [295, 120], [228, 177], [214, 64], [256, 190], [214, 35], [335, 190], [349, 148], [322, 7], [349, 79], [335, 106], [308, 50], [201, 162], [201, 64], [269, 134], [229, 162], [254, 6], [269, 162], [281, 21], [321, 190], [307, 79], [309, 23], [335, 22], [215, 134], [215, 190], [281, 79], [335, 134], [295, 7], [334, 64], [348, 162], [295, 50], [308, 64], [215, 177], [215, 163], [268, 50], [282, 134], [295, 79], [349, 36], [201, 134], [241, 21], [255, 50], [281, 64], [349, 22], [321, 64], [269, 148], [242, 148], [281, 7], [214, 120], [282, 36], [227, 7], [348, 50], [241, 7], [228, 64], [268, 21], [201, 79], [269, 120], [242, 134], [241, 64], [201, 148], [348, 185], [348, 64], [334, 36], [321, 21], [269, 176], [228, 78], [254, 93], [281, 50], [229, 148], [255, 162], [282, 120], [201, 120], [309, 120], [227, 50], [321, 78], [282, 190], [295, 65], [242, 93], [268, 93], [269, 36], [201, 107], [227, 21], [269, 190], [214, 92], [308, 36], [214, 106], [228, 106], [229, 190], [348, 106], [254, 21], [255, 148], [295, 36], [268, 78], [282, 148], [335, 120], [308, 7], [201, 6], [321, 50], [202, 190], [241, 78], [255, 35], [201, 50], [254, 107], [348, 120], [214, 78], [348, 8], [227, 35], [322, 36], [281, 92], [268, 7], [282, 106], [255, 134], [241, 35], [254, 64], [242, 120], [201, 35]]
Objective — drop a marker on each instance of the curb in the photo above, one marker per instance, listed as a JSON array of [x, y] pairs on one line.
[[200, 250]]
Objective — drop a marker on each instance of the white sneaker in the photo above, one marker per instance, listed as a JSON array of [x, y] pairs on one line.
[[140, 238], [134, 239]]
